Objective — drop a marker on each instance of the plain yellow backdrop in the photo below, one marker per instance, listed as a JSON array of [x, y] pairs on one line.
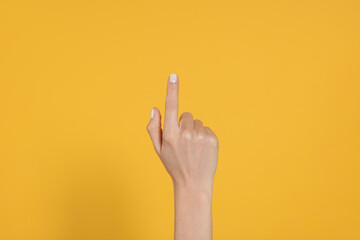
[[277, 81]]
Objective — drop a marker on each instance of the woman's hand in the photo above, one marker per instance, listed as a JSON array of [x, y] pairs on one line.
[[188, 149], [189, 152]]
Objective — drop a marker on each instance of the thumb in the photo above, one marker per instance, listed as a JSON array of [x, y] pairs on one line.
[[154, 129]]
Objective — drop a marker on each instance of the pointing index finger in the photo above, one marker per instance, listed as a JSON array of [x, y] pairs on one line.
[[171, 102]]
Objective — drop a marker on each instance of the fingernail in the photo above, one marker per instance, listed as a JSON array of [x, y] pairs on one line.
[[152, 113], [173, 78]]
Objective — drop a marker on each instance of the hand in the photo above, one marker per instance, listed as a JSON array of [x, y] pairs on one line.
[[189, 152], [188, 149]]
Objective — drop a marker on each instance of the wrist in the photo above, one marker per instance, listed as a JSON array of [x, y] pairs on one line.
[[197, 192], [193, 211]]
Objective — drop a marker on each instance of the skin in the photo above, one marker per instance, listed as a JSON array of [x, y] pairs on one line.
[[189, 153]]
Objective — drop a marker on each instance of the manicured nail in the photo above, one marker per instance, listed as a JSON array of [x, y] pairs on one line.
[[173, 78], [152, 113]]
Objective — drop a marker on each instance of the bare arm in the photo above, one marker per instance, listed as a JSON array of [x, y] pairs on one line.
[[193, 216], [189, 152]]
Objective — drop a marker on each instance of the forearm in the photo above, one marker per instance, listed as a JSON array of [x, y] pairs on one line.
[[193, 212]]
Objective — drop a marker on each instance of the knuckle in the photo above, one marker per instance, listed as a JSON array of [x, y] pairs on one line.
[[187, 135], [168, 136], [209, 129], [148, 127], [201, 136], [170, 104], [198, 121], [212, 139], [186, 114], [171, 107]]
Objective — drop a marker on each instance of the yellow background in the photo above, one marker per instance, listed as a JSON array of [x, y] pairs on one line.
[[277, 81]]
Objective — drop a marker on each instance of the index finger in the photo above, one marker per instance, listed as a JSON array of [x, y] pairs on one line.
[[171, 102]]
